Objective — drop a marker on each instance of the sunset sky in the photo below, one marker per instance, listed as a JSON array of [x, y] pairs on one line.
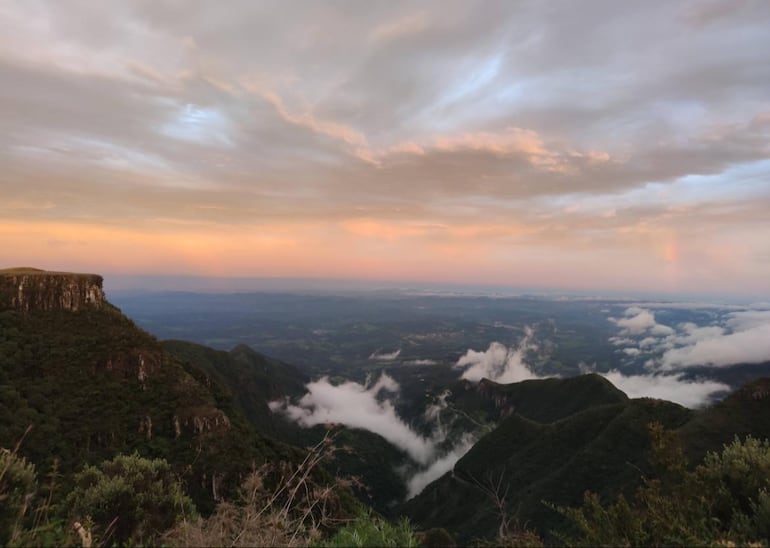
[[592, 145]]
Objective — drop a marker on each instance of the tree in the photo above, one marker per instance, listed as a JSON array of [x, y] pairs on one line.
[[129, 498], [723, 500]]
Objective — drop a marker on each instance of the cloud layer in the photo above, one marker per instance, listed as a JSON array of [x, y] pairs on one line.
[[492, 142], [738, 337], [667, 387], [358, 406]]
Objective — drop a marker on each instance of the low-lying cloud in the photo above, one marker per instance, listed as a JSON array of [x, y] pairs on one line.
[[667, 387], [498, 362], [363, 406], [423, 361], [749, 346], [734, 338], [637, 321], [439, 467], [384, 356], [358, 406]]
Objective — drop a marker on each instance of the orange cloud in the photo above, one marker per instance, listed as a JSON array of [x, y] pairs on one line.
[[509, 141], [520, 254]]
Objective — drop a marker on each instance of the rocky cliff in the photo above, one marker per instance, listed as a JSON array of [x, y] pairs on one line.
[[27, 289]]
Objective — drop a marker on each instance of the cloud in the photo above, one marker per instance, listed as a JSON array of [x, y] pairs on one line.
[[432, 414], [748, 319], [498, 362], [439, 467], [751, 345], [739, 337], [667, 387], [638, 321], [461, 116], [422, 361], [409, 24], [384, 356], [357, 406], [362, 406]]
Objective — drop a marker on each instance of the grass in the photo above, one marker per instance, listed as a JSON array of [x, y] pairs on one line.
[[30, 271]]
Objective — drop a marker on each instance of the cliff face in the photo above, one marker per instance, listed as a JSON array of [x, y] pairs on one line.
[[28, 289]]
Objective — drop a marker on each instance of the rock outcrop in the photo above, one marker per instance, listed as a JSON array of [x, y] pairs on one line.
[[29, 289]]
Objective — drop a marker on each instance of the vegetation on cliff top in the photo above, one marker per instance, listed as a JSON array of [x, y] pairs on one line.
[[28, 270]]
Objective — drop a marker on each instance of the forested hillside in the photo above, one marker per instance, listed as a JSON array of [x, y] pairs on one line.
[[144, 441]]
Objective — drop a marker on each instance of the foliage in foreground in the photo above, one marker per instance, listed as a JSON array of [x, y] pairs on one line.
[[369, 530], [25, 517], [18, 483], [129, 498], [722, 501], [283, 505]]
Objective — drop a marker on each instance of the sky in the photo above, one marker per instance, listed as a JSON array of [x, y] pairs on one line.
[[590, 146]]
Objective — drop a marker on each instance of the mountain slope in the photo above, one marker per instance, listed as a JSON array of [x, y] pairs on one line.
[[562, 437], [87, 383], [744, 412], [541, 400], [251, 379], [601, 448]]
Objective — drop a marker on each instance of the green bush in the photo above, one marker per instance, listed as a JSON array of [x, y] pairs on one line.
[[369, 530], [18, 484], [724, 500], [129, 498]]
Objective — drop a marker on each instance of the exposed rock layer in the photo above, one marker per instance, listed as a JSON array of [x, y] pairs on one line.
[[28, 289]]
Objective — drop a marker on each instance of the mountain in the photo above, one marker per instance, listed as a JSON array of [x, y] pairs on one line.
[[744, 412], [81, 383], [542, 400], [28, 289], [251, 380], [89, 384], [557, 438]]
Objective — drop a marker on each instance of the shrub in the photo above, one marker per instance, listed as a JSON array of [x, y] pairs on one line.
[[280, 505], [129, 498], [369, 530], [18, 484], [724, 500]]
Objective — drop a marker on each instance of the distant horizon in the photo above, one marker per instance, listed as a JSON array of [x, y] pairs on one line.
[[194, 283], [121, 283]]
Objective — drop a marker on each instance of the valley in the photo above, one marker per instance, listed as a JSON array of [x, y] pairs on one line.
[[456, 412]]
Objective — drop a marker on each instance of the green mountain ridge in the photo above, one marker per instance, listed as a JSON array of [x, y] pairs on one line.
[[80, 383], [541, 400], [253, 379], [89, 384], [599, 446]]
